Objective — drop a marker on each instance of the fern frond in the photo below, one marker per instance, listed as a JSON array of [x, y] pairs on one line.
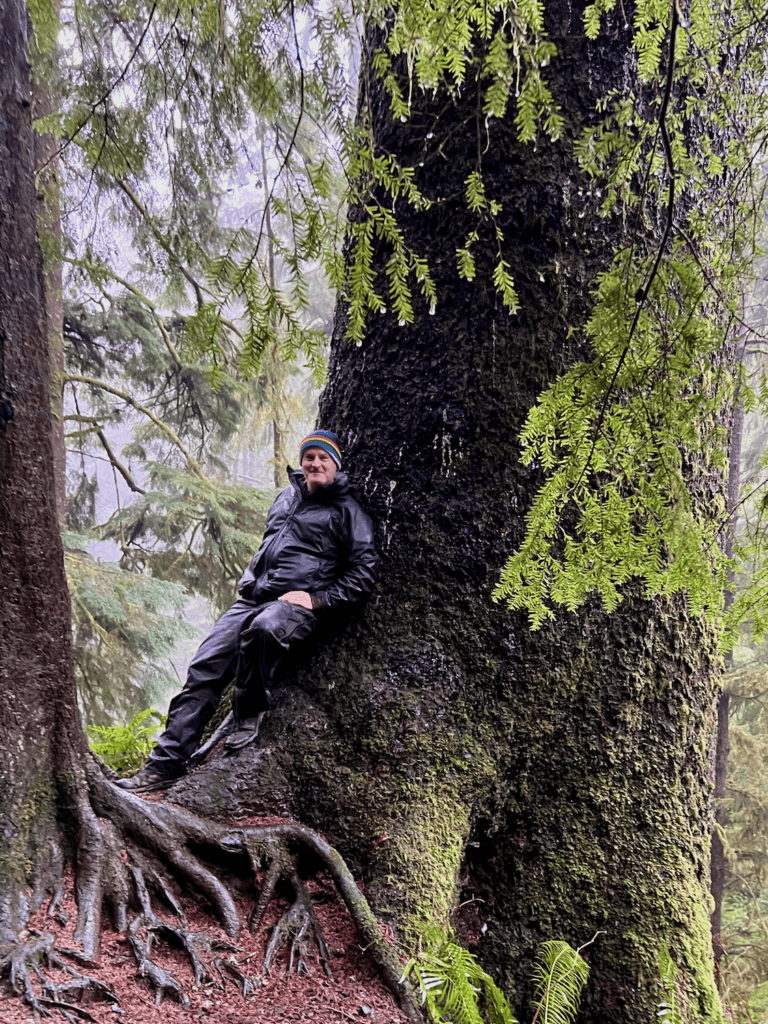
[[559, 975], [455, 988], [669, 1009]]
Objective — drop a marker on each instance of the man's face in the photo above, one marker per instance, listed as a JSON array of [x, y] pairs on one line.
[[318, 467]]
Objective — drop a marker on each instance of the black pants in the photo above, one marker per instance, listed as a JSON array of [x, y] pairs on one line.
[[246, 646]]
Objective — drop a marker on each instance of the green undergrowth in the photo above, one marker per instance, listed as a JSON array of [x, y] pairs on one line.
[[125, 747], [456, 990]]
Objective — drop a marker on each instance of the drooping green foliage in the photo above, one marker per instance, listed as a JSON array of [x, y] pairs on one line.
[[617, 437], [125, 625], [623, 435]]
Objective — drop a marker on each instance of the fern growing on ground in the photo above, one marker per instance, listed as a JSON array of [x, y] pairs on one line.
[[456, 989], [125, 747]]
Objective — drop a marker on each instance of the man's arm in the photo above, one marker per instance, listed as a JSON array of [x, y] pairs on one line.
[[362, 564]]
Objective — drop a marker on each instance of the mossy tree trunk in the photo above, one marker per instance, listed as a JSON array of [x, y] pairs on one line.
[[40, 735], [558, 781]]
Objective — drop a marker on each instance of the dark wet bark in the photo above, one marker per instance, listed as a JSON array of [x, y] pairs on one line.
[[37, 696], [559, 781]]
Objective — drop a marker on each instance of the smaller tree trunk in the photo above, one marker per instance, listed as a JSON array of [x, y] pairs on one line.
[[39, 727], [719, 864], [49, 229]]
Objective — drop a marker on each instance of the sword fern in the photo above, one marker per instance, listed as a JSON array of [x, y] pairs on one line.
[[456, 989]]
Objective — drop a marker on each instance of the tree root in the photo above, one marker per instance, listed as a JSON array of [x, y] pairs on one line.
[[55, 909], [126, 846], [145, 929], [140, 937], [221, 732], [40, 951], [171, 834], [300, 925]]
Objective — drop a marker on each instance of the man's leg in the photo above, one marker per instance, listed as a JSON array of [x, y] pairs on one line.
[[276, 626], [210, 672]]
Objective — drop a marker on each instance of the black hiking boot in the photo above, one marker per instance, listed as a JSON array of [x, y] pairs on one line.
[[148, 780], [246, 732]]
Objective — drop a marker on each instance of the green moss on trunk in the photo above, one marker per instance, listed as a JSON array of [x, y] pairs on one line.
[[559, 778]]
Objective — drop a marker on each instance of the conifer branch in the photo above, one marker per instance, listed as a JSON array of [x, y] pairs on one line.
[[122, 469], [642, 293], [104, 97], [192, 463], [284, 164], [146, 301], [162, 241]]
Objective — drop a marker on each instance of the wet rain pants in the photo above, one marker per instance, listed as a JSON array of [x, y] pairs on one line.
[[246, 646]]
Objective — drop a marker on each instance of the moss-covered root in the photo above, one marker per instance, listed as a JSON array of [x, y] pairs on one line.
[[416, 866]]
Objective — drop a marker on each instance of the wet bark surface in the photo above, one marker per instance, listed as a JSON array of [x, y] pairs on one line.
[[557, 782], [37, 707]]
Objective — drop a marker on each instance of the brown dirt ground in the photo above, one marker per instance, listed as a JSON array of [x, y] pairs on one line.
[[354, 993]]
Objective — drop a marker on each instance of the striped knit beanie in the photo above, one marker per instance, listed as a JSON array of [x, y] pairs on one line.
[[324, 439]]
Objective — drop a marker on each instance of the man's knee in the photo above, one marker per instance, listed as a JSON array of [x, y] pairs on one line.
[[278, 621]]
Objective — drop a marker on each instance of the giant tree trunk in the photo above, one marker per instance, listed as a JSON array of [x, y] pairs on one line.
[[558, 781]]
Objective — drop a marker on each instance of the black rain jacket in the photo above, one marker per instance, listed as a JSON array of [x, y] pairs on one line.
[[321, 543]]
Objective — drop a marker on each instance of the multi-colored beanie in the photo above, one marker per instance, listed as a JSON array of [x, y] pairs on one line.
[[324, 439]]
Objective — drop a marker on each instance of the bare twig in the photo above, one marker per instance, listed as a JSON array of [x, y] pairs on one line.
[[122, 469]]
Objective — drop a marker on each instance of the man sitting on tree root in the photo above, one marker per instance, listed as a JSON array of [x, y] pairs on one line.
[[317, 553]]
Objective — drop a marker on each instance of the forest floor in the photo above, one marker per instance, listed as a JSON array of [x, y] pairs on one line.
[[355, 992]]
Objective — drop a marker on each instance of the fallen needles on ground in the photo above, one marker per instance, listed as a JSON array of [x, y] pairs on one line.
[[127, 873]]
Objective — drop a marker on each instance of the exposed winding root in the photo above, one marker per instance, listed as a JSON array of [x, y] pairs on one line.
[[300, 926], [55, 908], [145, 930], [244, 983], [148, 872], [38, 952], [155, 833], [140, 937]]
